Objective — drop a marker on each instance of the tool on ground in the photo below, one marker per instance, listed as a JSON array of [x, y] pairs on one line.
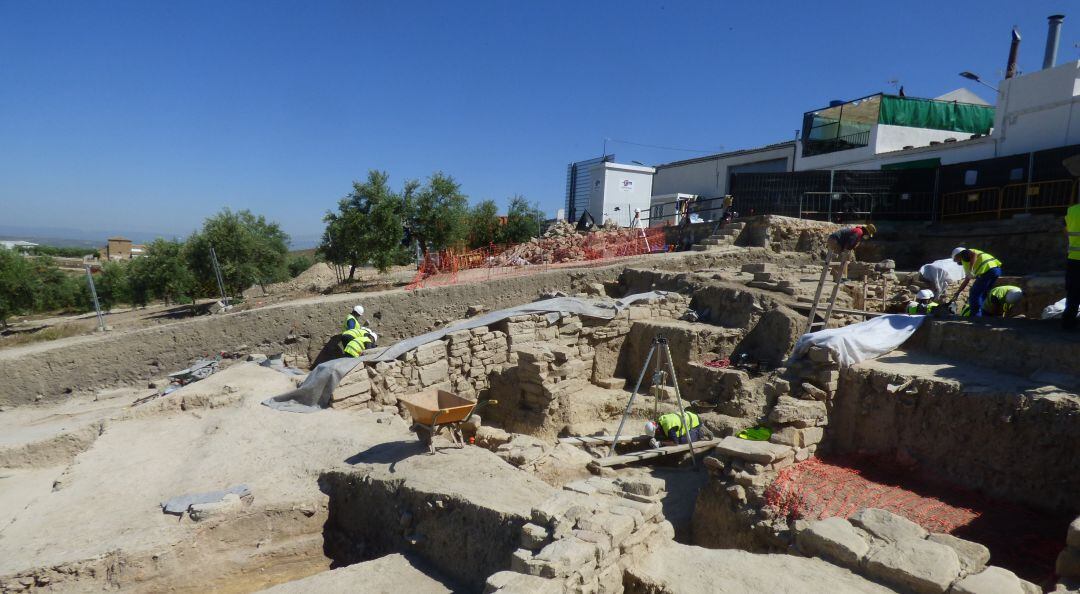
[[950, 307], [436, 410], [662, 352], [811, 322]]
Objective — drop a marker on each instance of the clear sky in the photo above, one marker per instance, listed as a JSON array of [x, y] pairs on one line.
[[150, 115]]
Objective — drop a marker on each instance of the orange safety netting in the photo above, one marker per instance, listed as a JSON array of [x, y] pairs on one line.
[[450, 267], [1020, 538]]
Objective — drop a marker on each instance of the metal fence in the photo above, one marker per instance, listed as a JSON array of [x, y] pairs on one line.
[[997, 203]]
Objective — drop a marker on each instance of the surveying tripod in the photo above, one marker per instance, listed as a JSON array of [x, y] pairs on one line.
[[664, 369]]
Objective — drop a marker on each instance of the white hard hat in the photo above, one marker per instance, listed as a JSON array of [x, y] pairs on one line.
[[956, 252], [1013, 296], [650, 427], [358, 310], [924, 294]]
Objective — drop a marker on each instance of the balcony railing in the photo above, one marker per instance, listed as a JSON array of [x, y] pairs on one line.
[[812, 146]]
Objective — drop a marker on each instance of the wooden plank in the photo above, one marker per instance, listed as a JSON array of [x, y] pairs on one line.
[[843, 310], [700, 447], [602, 439]]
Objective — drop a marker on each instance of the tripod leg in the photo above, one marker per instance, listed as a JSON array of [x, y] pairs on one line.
[[678, 398], [637, 387]]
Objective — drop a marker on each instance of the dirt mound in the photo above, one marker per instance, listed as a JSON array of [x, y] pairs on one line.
[[563, 243], [316, 279]]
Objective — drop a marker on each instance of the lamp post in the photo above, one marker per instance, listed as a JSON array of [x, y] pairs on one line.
[[975, 77]]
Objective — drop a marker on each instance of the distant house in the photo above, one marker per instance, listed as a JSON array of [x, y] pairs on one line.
[[120, 248], [17, 245]]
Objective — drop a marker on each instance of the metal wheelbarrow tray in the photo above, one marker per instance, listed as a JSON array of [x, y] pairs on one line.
[[435, 410]]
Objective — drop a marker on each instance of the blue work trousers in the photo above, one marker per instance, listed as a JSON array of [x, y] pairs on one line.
[[980, 290]]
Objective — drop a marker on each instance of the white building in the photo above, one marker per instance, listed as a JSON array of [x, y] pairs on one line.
[[619, 189], [16, 245], [1034, 112]]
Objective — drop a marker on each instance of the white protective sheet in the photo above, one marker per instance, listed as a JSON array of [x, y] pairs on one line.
[[1054, 310], [865, 340], [942, 273]]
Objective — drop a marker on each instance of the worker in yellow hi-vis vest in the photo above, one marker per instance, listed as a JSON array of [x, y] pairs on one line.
[[1072, 268], [984, 269]]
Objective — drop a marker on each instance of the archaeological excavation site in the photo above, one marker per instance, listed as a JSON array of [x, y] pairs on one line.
[[515, 433]]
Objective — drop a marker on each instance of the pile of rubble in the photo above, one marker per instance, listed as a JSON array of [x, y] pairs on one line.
[[563, 243]]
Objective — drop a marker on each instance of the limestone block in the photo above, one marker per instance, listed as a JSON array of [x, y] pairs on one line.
[[522, 561], [801, 413], [797, 438], [1072, 538], [554, 507], [610, 580], [491, 437], [611, 383], [919, 565], [436, 372], [533, 536], [835, 539], [629, 512], [973, 556], [230, 503], [618, 527], [642, 485], [430, 352], [820, 355], [1068, 563], [812, 392], [358, 392], [887, 525], [761, 452], [992, 580], [602, 541], [562, 557], [533, 354], [756, 267]]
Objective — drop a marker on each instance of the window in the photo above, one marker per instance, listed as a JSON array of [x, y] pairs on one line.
[[971, 177], [1016, 174]]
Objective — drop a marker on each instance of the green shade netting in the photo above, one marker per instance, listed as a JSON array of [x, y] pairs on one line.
[[937, 115]]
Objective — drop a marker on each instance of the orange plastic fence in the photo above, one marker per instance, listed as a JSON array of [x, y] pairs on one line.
[[449, 267]]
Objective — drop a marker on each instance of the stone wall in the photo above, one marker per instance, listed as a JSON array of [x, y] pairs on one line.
[[890, 549], [1015, 346], [582, 539]]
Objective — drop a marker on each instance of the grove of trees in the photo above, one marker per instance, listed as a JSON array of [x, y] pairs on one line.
[[378, 226]]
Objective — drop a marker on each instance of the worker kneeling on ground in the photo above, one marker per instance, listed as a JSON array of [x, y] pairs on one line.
[[999, 303], [982, 267], [924, 303], [844, 242], [670, 429], [355, 341]]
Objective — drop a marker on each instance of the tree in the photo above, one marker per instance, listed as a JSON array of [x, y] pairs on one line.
[[437, 212], [298, 263], [16, 285], [249, 250], [367, 226], [112, 285], [484, 225], [522, 220], [163, 273]]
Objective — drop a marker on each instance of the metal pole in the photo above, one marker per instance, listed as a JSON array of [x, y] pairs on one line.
[[678, 397], [93, 293], [626, 412], [217, 276]]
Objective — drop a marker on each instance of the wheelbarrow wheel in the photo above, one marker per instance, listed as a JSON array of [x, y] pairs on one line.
[[424, 435]]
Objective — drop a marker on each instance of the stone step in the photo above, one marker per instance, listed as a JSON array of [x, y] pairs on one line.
[[701, 248]]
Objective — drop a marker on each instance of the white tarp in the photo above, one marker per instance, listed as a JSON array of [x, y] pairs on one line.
[[865, 340], [1054, 311], [314, 393], [942, 273]]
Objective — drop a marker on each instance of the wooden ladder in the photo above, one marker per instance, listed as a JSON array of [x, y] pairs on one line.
[[813, 325]]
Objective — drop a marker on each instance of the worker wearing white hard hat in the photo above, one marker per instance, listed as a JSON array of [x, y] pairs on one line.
[[924, 303], [353, 321]]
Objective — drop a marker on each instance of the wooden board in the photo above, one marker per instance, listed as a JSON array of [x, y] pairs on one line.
[[843, 310], [700, 447], [602, 440]]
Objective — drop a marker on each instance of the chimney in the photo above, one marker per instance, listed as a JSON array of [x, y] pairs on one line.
[[1053, 34], [1014, 48]]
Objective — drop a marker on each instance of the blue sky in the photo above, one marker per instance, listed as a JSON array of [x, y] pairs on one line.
[[149, 116]]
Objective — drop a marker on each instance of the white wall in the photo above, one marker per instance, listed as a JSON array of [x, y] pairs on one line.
[[894, 138], [709, 177], [1039, 110], [624, 186]]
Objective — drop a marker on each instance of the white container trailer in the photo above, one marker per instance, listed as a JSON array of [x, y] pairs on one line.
[[618, 190]]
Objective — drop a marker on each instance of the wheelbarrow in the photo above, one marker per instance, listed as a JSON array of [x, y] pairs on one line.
[[436, 410]]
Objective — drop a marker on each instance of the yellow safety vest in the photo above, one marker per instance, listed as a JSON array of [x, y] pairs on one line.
[[356, 322], [671, 421], [997, 297], [357, 343], [1072, 224], [983, 262], [916, 308]]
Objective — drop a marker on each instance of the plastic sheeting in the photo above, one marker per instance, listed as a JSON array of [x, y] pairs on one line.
[[865, 340], [1054, 311], [179, 505], [315, 392], [941, 274]]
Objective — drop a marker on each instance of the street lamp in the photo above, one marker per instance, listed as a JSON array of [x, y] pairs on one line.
[[975, 77]]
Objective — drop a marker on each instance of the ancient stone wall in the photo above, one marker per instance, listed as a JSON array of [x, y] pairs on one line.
[[1015, 346]]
